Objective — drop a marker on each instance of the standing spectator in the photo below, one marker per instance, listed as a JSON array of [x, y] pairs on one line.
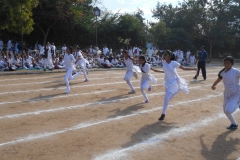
[[188, 56], [130, 51], [64, 48], [202, 57], [9, 45], [105, 50], [16, 47], [47, 57], [90, 50], [150, 52], [135, 51], [179, 56], [192, 60]]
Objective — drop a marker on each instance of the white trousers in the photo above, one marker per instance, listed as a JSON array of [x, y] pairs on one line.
[[230, 105], [145, 83], [127, 78], [68, 76], [47, 62], [170, 93]]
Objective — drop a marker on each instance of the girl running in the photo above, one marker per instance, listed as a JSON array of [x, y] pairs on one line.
[[173, 83], [146, 77], [69, 65], [131, 70], [230, 77]]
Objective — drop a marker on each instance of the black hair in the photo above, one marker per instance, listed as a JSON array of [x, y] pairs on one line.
[[126, 52], [143, 58], [171, 55], [230, 59], [219, 74], [70, 48]]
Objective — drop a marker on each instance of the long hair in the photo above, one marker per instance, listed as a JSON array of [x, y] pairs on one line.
[[144, 59], [171, 55]]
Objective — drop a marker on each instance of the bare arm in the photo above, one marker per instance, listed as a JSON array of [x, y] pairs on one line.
[[188, 69], [155, 70], [215, 83]]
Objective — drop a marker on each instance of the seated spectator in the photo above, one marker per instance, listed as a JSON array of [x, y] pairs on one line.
[[114, 62], [106, 63]]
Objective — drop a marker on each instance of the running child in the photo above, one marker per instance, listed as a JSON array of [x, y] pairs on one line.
[[69, 66], [173, 83], [230, 77], [131, 70], [82, 62], [146, 77]]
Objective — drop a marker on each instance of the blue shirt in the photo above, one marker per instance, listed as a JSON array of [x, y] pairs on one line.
[[202, 55]]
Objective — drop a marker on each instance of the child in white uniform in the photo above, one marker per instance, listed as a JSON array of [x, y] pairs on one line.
[[173, 83], [192, 60], [131, 70], [69, 65], [146, 77], [82, 62], [230, 77]]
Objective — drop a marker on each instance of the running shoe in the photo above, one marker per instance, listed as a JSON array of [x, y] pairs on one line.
[[162, 117], [232, 126], [132, 92]]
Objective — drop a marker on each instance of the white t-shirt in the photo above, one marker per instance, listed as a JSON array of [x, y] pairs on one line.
[[129, 64], [170, 72], [231, 81], [188, 54], [114, 61], [69, 60], [105, 51]]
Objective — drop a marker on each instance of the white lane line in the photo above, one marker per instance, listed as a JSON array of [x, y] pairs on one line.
[[80, 106], [158, 138], [74, 107], [89, 124], [70, 95], [48, 77], [110, 73], [61, 80], [56, 97], [77, 86]]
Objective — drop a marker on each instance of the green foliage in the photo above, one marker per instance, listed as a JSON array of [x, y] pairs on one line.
[[11, 14]]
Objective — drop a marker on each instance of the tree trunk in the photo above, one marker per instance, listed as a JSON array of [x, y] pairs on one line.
[[45, 36]]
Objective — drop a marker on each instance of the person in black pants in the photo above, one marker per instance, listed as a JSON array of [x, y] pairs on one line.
[[202, 57]]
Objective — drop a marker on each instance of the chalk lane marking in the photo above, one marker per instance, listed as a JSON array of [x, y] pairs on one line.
[[81, 106], [89, 124], [57, 97], [47, 77], [77, 86], [157, 138]]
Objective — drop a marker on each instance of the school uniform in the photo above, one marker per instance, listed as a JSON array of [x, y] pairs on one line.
[[69, 61], [130, 52], [105, 51], [135, 51], [47, 57], [180, 56], [188, 56], [9, 45], [192, 60], [231, 92], [53, 50], [83, 64], [147, 77], [150, 53], [129, 73], [64, 49], [114, 62], [172, 82]]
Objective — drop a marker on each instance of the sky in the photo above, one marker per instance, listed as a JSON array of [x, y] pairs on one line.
[[129, 6]]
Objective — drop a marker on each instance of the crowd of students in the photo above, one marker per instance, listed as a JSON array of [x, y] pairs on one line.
[[47, 56]]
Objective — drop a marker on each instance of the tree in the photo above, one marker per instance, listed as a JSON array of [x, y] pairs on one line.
[[11, 15], [51, 14]]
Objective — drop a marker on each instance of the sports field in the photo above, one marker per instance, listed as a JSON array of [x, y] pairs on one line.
[[98, 120]]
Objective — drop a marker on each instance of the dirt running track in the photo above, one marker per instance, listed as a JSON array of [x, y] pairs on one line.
[[99, 120]]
